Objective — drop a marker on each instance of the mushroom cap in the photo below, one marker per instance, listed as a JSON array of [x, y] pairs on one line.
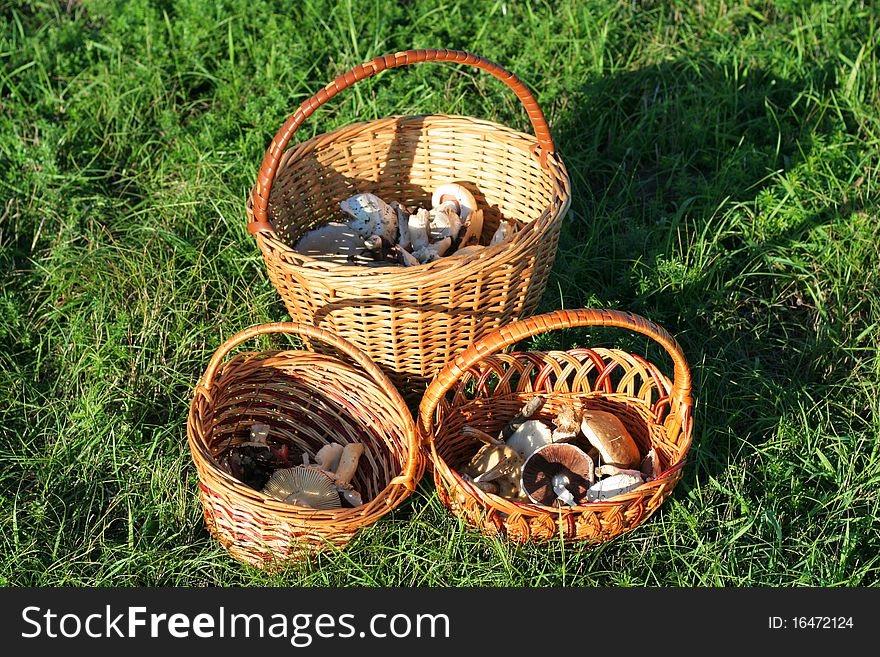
[[370, 215], [607, 433], [304, 486], [557, 459], [529, 436], [614, 485], [466, 201], [568, 421], [332, 241]]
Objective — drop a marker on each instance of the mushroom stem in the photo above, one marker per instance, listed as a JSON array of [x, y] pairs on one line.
[[479, 434], [528, 410]]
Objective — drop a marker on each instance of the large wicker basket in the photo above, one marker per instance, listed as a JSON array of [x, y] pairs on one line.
[[484, 388], [308, 399], [411, 320]]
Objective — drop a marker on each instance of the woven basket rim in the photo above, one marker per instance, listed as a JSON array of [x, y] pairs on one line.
[[249, 499], [490, 255], [455, 481]]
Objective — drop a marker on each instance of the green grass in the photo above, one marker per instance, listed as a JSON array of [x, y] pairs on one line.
[[724, 159]]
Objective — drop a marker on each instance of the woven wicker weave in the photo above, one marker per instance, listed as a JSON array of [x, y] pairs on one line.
[[484, 388], [308, 399], [411, 320]]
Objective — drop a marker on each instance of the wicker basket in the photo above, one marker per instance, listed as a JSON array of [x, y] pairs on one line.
[[411, 320], [485, 388], [308, 399]]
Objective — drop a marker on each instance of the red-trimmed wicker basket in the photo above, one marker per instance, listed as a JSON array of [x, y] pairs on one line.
[[484, 388], [411, 320], [308, 399]]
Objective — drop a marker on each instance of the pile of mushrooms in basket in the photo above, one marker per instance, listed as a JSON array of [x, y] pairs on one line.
[[582, 456], [380, 233], [266, 464]]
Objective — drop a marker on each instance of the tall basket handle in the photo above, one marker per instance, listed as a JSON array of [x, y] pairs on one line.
[[410, 477], [559, 319], [268, 168]]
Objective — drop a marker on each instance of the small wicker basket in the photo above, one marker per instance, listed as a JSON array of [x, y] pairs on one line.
[[484, 388], [411, 320], [308, 400]]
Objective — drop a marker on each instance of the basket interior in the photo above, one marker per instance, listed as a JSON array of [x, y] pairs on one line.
[[404, 159], [308, 400], [489, 394]]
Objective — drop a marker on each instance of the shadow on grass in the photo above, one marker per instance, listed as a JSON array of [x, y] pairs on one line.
[[670, 167]]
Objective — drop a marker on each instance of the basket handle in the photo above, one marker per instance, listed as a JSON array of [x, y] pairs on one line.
[[410, 477], [273, 155], [559, 319]]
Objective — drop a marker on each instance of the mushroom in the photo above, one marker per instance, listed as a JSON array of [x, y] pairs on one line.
[[259, 433], [607, 433], [332, 241], [568, 424], [445, 221], [611, 470], [327, 457], [561, 482], [506, 230], [494, 462], [479, 434], [403, 257], [419, 229], [303, 486], [557, 471], [528, 410], [615, 485], [473, 230], [370, 215], [379, 247], [530, 435], [350, 495], [402, 224], [650, 467], [348, 462], [433, 252], [465, 201]]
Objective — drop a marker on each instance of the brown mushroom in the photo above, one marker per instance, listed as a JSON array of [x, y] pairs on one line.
[[607, 433], [560, 466], [568, 424]]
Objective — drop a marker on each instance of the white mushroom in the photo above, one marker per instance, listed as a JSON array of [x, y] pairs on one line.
[[445, 221], [452, 191], [303, 486], [529, 436], [611, 470], [608, 434], [348, 462], [403, 257], [327, 457], [433, 252], [611, 486], [419, 229], [650, 467], [370, 215], [333, 241], [560, 481], [505, 232]]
